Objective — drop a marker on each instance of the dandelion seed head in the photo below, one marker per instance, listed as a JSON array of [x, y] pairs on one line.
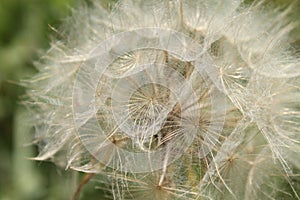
[[173, 99]]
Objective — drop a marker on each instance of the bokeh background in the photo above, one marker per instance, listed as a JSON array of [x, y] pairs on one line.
[[26, 28]]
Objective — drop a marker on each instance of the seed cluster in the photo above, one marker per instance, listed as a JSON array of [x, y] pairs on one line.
[[176, 99]]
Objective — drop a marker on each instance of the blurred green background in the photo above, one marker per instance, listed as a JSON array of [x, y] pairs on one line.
[[25, 28], [23, 31]]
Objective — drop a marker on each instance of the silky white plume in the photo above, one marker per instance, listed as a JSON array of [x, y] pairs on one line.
[[176, 99]]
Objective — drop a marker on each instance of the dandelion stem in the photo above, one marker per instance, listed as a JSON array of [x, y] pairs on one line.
[[85, 180]]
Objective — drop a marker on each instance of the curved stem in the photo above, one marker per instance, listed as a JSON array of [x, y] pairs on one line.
[[85, 180]]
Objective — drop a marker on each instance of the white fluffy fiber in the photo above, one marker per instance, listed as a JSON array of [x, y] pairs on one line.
[[255, 155]]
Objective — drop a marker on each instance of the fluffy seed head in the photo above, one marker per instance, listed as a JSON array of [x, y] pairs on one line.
[[174, 99]]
